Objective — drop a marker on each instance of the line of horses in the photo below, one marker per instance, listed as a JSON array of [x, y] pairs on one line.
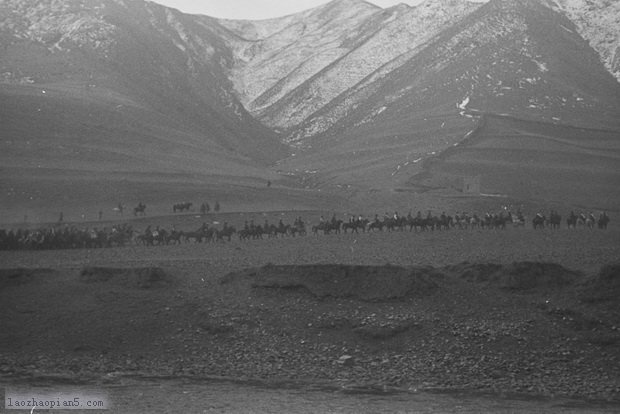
[[66, 237], [573, 221], [419, 223], [206, 234], [71, 237], [140, 209], [161, 236]]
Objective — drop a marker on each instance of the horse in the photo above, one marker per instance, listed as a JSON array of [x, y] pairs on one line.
[[590, 221], [500, 221], [145, 239], [315, 229], [539, 221], [282, 229], [350, 225], [327, 227], [475, 222], [299, 227], [200, 235], [554, 220], [571, 221], [461, 221], [244, 234], [581, 219], [375, 225], [444, 222], [487, 221], [517, 220], [160, 236], [226, 232], [335, 226], [270, 230], [418, 223], [139, 209], [120, 235], [253, 232], [174, 237], [603, 221], [394, 223], [181, 207]]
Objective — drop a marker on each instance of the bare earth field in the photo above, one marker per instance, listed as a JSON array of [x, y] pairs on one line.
[[517, 311]]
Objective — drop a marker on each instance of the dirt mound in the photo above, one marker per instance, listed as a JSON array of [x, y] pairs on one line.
[[136, 277], [519, 275], [21, 276], [368, 283], [604, 287]]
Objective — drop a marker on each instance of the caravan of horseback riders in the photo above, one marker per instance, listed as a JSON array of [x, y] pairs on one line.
[[65, 236]]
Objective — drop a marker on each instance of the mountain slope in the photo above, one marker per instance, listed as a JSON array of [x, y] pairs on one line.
[[517, 59], [152, 55], [598, 21], [304, 61], [526, 160], [105, 93], [274, 57]]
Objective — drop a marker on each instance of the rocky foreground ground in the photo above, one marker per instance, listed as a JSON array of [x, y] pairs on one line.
[[513, 311]]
